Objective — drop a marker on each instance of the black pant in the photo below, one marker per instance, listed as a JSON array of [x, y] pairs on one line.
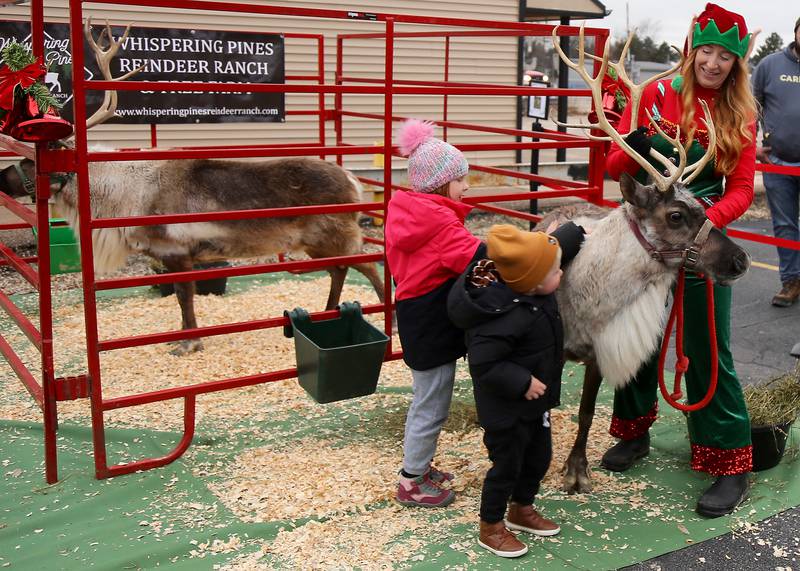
[[520, 458]]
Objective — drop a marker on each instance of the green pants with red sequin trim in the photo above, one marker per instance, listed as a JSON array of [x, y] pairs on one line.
[[723, 424]]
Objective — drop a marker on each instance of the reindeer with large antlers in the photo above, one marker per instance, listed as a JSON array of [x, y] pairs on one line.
[[139, 188], [613, 295]]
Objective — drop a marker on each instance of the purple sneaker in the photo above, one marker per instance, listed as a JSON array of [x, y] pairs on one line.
[[423, 492]]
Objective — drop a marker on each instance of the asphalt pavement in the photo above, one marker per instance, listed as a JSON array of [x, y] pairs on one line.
[[762, 336]]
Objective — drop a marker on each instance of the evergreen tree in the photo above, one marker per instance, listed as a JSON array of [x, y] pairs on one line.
[[773, 43], [644, 48]]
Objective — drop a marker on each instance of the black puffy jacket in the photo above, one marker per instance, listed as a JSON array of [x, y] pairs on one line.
[[509, 337]]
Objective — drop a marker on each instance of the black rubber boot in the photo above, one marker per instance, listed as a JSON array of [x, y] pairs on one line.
[[724, 495], [624, 453]]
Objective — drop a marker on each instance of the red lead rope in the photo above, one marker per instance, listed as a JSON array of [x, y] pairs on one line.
[[682, 363]]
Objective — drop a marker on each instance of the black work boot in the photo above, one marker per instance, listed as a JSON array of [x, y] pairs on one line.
[[724, 495], [624, 453]]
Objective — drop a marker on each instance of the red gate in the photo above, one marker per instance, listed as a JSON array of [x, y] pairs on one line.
[[51, 389]]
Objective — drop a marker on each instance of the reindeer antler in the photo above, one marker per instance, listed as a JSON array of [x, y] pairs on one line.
[[104, 57], [15, 146], [674, 172]]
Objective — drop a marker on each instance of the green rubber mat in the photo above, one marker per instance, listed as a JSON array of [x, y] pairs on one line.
[[142, 520]]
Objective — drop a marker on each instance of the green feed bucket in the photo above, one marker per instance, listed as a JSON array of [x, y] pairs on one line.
[[338, 358], [65, 257]]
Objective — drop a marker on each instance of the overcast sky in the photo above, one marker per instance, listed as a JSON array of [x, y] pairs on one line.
[[669, 20]]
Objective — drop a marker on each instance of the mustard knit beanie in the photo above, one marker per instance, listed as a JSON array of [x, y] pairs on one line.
[[523, 259]]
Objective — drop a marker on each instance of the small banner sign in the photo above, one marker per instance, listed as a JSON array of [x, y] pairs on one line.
[[170, 55]]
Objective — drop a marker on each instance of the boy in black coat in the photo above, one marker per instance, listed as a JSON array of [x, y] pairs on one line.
[[515, 346]]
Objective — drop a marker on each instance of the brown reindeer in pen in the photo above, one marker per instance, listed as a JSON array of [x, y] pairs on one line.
[[139, 188], [613, 294]]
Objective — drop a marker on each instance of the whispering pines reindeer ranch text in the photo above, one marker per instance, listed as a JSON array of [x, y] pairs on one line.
[[196, 46]]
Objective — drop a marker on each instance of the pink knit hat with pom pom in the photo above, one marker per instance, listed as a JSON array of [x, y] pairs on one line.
[[432, 163]]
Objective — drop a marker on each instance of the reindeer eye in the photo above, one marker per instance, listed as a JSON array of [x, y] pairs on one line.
[[675, 217]]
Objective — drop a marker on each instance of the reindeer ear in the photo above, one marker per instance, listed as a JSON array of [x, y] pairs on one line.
[[635, 193]]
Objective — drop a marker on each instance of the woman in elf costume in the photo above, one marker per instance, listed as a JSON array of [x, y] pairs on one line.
[[715, 70]]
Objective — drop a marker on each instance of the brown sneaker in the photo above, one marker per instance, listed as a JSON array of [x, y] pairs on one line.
[[497, 539], [525, 518], [788, 294]]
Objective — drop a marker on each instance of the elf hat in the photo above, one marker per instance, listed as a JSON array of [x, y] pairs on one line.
[[432, 163], [523, 259], [718, 26]]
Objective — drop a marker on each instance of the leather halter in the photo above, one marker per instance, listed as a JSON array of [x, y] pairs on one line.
[[690, 255], [30, 187], [27, 184]]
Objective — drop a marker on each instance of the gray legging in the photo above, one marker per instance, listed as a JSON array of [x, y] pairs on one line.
[[433, 391]]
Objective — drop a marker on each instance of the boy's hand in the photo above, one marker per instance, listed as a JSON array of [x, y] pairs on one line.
[[536, 389]]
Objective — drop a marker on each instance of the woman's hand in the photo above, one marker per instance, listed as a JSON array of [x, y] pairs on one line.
[[536, 389]]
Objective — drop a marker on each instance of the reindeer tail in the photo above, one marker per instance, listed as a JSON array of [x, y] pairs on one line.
[[359, 190], [357, 185]]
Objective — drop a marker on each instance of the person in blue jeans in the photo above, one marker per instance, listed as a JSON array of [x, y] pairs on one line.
[[776, 86]]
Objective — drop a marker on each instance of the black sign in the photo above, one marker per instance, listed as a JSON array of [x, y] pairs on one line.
[[170, 55]]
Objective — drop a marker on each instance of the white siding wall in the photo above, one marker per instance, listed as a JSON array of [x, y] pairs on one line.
[[485, 60]]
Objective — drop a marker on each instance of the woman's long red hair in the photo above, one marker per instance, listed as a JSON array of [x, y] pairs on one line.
[[733, 113]]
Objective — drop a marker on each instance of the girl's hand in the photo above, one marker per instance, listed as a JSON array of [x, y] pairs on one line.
[[536, 389]]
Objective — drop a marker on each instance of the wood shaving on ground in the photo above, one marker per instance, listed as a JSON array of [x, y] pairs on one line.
[[352, 475], [153, 367]]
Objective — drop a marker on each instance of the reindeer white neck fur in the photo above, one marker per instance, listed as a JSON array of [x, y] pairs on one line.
[[614, 306]]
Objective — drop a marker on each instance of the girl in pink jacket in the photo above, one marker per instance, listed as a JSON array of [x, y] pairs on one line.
[[427, 248]]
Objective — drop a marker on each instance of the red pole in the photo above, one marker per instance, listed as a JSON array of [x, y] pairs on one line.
[[50, 408], [387, 168], [84, 230], [45, 295], [183, 445], [37, 27], [337, 98]]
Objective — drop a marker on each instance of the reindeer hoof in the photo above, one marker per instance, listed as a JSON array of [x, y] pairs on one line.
[[576, 479], [187, 346]]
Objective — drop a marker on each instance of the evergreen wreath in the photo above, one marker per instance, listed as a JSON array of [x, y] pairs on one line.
[[17, 59], [28, 111]]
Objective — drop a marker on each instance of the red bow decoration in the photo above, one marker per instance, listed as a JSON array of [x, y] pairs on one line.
[[25, 77], [610, 87]]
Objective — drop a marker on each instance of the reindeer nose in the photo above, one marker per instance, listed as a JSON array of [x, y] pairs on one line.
[[741, 262]]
